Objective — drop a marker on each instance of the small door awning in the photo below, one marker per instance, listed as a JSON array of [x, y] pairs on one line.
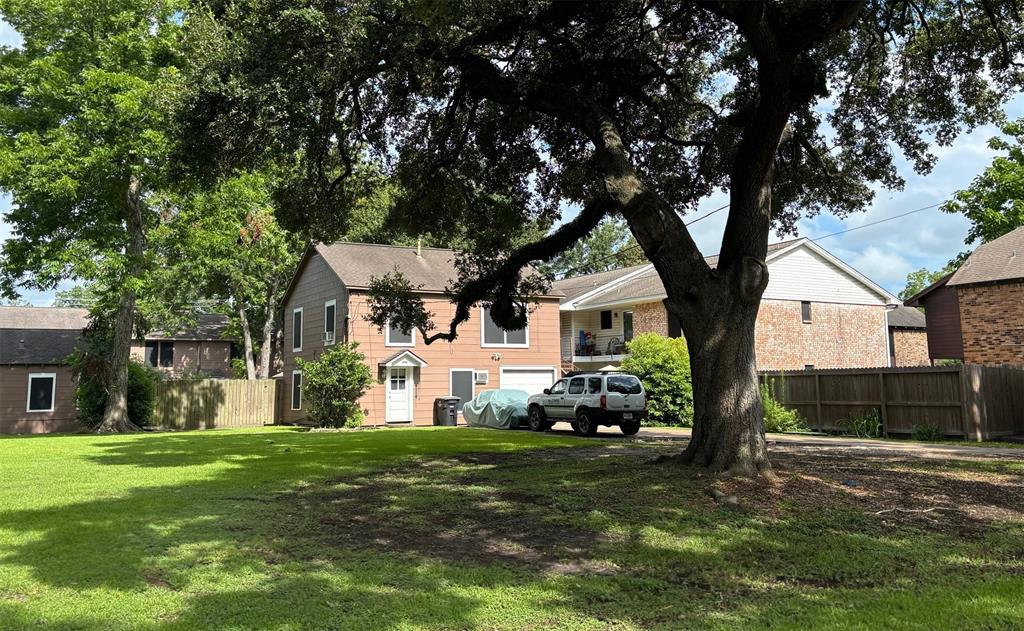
[[404, 358]]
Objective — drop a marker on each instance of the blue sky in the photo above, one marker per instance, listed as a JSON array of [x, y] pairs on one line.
[[885, 253]]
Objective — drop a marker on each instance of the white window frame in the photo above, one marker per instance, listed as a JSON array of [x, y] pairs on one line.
[[331, 303], [387, 337], [291, 391], [451, 382], [302, 324], [53, 392], [483, 333]]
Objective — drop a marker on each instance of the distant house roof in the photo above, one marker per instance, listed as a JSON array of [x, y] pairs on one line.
[[631, 283], [59, 318], [357, 264], [999, 259], [37, 346], [208, 326], [905, 318]]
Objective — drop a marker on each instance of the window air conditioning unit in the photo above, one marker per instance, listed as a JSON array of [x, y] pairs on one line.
[[481, 377], [327, 337]]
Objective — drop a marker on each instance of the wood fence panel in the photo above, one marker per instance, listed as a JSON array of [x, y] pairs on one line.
[[215, 403]]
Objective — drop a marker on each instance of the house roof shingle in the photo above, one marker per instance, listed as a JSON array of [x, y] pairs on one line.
[[208, 326], [356, 264], [999, 259], [37, 346], [647, 284], [905, 318], [576, 286], [52, 318]]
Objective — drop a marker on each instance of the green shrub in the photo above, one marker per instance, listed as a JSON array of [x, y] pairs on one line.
[[777, 418], [91, 397], [332, 385], [867, 425], [926, 433], [663, 366]]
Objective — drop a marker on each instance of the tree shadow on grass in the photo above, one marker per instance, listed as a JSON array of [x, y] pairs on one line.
[[327, 531]]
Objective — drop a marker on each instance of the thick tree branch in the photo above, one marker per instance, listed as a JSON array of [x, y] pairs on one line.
[[507, 273]]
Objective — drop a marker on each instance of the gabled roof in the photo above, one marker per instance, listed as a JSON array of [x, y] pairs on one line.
[[44, 318], [576, 286], [905, 318], [37, 346], [999, 259], [357, 264], [644, 283], [403, 357]]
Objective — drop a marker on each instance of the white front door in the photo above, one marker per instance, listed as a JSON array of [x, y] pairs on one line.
[[399, 395]]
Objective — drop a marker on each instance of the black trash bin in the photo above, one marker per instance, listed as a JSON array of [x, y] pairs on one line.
[[446, 411]]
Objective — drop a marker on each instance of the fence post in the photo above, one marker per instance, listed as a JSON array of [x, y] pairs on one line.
[[884, 403], [817, 398]]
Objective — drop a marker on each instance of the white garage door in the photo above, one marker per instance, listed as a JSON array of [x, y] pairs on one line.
[[532, 379]]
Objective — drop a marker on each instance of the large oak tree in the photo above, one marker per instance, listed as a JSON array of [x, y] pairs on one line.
[[494, 114]]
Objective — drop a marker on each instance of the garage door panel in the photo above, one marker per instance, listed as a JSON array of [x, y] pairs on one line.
[[532, 380]]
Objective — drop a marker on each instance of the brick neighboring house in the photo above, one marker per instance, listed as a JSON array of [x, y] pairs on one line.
[[908, 337], [817, 311], [37, 388], [327, 301], [976, 314]]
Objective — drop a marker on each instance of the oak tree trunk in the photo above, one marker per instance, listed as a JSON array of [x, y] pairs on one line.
[[267, 347], [115, 415]]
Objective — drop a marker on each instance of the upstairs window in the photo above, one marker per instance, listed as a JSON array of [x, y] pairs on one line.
[[160, 354], [330, 318], [41, 387], [494, 335], [805, 311], [606, 320], [398, 337], [297, 329]]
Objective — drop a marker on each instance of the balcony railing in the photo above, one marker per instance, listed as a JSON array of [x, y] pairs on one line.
[[599, 346]]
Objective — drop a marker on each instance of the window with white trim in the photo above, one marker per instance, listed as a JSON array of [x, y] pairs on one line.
[[330, 321], [398, 337], [492, 335], [297, 329], [296, 389], [42, 388]]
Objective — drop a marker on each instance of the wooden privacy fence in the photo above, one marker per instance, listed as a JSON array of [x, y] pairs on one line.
[[970, 401], [210, 403]]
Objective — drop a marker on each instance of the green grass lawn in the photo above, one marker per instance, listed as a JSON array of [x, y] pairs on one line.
[[443, 528]]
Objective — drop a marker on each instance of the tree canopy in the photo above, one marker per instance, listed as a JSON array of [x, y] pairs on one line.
[[610, 246], [496, 115]]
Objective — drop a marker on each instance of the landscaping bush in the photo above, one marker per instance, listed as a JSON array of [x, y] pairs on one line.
[[663, 366], [91, 397], [868, 425], [926, 433], [777, 418], [332, 385]]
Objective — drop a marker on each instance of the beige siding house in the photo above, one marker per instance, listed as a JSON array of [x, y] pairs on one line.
[[202, 350], [815, 312], [327, 303]]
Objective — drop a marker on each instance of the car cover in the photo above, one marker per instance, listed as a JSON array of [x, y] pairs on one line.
[[503, 409]]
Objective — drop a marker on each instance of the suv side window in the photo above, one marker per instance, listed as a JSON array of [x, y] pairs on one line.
[[558, 388], [593, 385], [576, 385]]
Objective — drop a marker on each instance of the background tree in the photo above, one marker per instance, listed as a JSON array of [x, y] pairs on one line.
[[493, 116], [994, 202], [82, 144], [225, 246], [921, 278], [610, 246]]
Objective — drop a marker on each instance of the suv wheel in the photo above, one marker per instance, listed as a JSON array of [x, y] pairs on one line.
[[585, 425], [630, 427], [537, 421]]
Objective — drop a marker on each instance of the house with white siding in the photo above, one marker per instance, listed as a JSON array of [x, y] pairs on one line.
[[816, 312]]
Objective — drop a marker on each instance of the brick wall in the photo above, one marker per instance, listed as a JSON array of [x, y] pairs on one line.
[[838, 336], [992, 321], [650, 317], [910, 347]]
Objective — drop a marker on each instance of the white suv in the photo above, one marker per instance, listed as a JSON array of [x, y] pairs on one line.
[[589, 400]]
